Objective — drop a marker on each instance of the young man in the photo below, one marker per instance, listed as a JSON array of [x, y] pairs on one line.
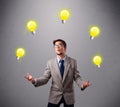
[[63, 71]]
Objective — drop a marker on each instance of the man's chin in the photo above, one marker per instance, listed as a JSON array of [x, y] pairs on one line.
[[59, 53]]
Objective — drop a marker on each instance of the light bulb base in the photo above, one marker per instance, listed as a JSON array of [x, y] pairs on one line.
[[33, 32], [98, 66], [91, 37], [63, 21], [18, 58]]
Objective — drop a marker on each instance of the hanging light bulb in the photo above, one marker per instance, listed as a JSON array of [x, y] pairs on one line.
[[97, 60], [94, 32], [32, 26], [64, 15], [20, 52]]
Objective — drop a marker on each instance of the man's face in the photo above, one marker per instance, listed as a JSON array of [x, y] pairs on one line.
[[59, 48]]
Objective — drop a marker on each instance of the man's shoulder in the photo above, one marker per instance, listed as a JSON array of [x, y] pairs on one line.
[[70, 58]]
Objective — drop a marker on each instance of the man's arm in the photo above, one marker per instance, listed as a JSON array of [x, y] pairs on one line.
[[41, 80], [78, 79]]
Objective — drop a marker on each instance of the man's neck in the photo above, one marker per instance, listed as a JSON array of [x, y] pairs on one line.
[[60, 56]]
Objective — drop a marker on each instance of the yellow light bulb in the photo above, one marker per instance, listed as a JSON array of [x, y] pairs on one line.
[[32, 26], [94, 32], [20, 52], [97, 60], [64, 15]]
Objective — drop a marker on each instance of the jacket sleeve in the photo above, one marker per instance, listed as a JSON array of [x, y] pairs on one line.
[[43, 79], [77, 77]]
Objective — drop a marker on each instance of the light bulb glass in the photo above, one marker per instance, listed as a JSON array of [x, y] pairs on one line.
[[20, 52], [64, 15], [94, 32], [97, 60], [32, 25]]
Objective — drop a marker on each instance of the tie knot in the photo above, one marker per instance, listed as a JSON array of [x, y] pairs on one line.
[[61, 61]]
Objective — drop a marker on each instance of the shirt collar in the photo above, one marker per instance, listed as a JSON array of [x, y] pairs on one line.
[[58, 59]]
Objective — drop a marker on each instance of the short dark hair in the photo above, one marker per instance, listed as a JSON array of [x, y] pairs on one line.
[[63, 42]]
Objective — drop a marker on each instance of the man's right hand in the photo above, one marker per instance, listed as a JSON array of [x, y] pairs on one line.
[[30, 78]]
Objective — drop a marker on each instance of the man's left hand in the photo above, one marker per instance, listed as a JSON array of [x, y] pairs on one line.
[[85, 85]]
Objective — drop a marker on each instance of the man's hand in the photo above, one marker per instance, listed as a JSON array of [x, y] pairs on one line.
[[30, 78], [85, 85]]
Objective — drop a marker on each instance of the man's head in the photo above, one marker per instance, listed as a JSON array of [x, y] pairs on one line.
[[60, 46]]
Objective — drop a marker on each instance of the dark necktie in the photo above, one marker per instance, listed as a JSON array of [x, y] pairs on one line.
[[61, 67]]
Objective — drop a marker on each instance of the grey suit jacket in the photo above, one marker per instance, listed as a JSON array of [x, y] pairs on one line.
[[61, 87]]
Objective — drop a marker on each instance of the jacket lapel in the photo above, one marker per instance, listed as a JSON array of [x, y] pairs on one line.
[[67, 65], [57, 69]]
